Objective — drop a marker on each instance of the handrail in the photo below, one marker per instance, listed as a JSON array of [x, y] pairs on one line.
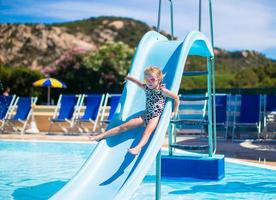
[[210, 106], [211, 19], [211, 23], [199, 15], [171, 10], [199, 18], [159, 17], [214, 105]]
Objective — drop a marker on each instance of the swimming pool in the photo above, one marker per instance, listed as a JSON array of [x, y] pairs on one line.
[[36, 170]]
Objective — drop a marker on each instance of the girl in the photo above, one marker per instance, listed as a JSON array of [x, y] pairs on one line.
[[156, 95]]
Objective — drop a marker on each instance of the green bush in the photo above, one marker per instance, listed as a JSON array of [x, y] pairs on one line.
[[97, 71], [110, 63], [20, 80]]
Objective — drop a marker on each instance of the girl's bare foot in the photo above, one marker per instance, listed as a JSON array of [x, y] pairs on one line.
[[134, 151]]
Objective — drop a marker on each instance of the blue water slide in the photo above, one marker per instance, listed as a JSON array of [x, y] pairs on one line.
[[111, 172]]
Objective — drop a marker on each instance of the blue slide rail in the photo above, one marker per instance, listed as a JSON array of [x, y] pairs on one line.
[[111, 172]]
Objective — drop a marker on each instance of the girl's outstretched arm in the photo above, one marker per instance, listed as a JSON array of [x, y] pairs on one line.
[[174, 96], [136, 81]]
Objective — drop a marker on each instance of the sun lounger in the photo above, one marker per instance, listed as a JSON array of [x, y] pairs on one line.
[[250, 114], [111, 101], [22, 109], [6, 103], [66, 111], [191, 118], [93, 104], [222, 118], [269, 113]]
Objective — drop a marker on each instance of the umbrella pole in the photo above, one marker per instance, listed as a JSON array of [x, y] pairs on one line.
[[48, 96]]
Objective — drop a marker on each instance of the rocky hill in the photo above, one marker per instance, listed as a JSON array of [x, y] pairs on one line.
[[37, 45]]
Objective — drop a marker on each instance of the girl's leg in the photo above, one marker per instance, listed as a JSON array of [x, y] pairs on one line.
[[133, 123], [148, 131]]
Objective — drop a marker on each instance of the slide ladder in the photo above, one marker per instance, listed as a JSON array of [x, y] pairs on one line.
[[201, 120]]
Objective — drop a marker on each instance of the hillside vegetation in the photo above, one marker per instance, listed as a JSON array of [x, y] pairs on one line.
[[93, 55]]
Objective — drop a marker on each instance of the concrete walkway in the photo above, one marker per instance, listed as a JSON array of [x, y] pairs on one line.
[[257, 151]]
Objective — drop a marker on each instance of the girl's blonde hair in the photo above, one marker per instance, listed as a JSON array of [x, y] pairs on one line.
[[154, 70]]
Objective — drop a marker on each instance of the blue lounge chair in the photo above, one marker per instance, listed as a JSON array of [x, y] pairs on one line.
[[269, 110], [22, 109], [66, 111], [222, 118], [191, 117], [270, 103], [93, 104], [6, 103], [250, 113], [111, 100], [190, 122]]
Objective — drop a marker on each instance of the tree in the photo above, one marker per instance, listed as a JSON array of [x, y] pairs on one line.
[[4, 77], [97, 71], [246, 78], [111, 63], [21, 79]]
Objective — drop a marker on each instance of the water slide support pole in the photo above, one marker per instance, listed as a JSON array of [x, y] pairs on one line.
[[158, 176]]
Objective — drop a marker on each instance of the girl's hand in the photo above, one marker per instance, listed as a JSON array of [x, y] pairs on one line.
[[126, 79], [174, 115]]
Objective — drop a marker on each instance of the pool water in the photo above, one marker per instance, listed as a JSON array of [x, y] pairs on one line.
[[33, 170], [36, 170]]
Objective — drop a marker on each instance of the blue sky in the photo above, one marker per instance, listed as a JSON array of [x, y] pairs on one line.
[[238, 24]]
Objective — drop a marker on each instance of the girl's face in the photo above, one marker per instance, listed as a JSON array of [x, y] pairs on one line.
[[151, 81]]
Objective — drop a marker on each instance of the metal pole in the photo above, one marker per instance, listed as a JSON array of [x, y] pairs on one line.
[[158, 176], [199, 16], [171, 8], [170, 135], [214, 106], [211, 22], [159, 15], [210, 118], [213, 75], [48, 96]]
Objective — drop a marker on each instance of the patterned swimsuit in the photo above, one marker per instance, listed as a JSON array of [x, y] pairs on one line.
[[155, 102]]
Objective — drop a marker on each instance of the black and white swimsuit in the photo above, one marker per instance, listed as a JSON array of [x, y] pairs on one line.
[[155, 102]]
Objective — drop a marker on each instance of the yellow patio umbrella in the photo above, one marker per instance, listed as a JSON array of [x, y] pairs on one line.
[[49, 83]]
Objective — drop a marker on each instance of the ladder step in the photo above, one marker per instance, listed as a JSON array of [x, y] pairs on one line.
[[191, 106], [190, 147], [105, 121], [193, 98], [195, 73], [190, 121]]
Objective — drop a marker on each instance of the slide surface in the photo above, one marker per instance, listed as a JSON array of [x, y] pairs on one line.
[[111, 172]]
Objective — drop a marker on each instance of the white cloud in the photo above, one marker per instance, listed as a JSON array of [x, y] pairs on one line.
[[244, 24]]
